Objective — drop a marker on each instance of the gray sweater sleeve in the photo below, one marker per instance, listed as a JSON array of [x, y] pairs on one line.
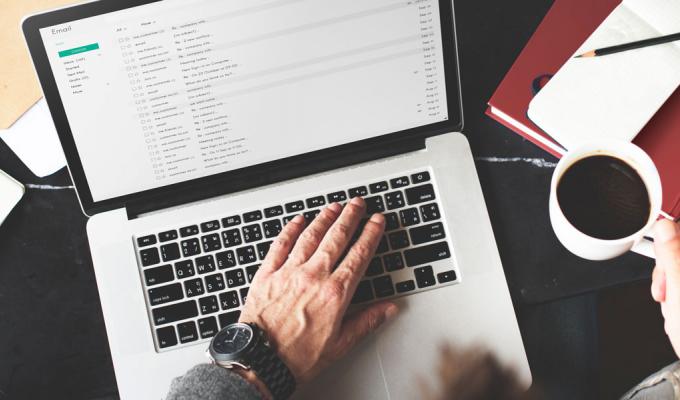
[[211, 382]]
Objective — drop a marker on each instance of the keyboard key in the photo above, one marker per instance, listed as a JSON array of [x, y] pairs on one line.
[[427, 233], [272, 228], [383, 286], [382, 246], [246, 255], [420, 177], [252, 233], [211, 242], [149, 257], [360, 191], [399, 240], [185, 269], [229, 318], [399, 182], [231, 221], [375, 267], [187, 332], [214, 283], [165, 294], [406, 286], [315, 202], [427, 254], [205, 264], [263, 249], [174, 312], [393, 262], [295, 206], [158, 275], [167, 236], [424, 276], [189, 231], [289, 218], [166, 337], [374, 205], [252, 216], [235, 278], [430, 212], [394, 200], [446, 276], [229, 300], [310, 215], [194, 287], [231, 238], [364, 293], [208, 305], [391, 221], [409, 217], [272, 212], [191, 247], [170, 252], [207, 327], [420, 194], [225, 259], [378, 187], [244, 295], [146, 241], [337, 197], [210, 226], [251, 271]]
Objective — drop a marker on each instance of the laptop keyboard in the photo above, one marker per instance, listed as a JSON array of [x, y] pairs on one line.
[[196, 277]]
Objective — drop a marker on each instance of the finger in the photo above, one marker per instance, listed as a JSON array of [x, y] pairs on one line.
[[659, 285], [311, 237], [667, 250], [353, 267], [280, 248], [338, 236], [359, 326]]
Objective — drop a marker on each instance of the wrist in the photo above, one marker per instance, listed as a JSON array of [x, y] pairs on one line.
[[252, 378]]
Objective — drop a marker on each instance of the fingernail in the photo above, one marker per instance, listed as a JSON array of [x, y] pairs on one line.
[[335, 207], [391, 311], [666, 231], [358, 201], [377, 218], [299, 219]]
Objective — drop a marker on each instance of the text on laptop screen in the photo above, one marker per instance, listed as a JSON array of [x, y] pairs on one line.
[[181, 89]]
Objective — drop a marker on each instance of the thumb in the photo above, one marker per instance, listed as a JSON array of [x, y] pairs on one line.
[[667, 249], [360, 325]]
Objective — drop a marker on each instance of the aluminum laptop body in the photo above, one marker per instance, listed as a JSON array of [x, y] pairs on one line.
[[193, 129]]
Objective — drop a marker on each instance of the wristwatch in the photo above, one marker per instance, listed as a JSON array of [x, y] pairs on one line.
[[246, 346]]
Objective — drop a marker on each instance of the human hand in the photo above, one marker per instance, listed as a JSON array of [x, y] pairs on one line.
[[666, 277], [300, 299]]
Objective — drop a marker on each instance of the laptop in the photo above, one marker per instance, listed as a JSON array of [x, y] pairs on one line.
[[196, 129]]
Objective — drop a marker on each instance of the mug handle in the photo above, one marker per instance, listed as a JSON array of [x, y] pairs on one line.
[[645, 248]]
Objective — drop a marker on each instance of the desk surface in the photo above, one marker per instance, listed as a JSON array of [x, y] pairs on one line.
[[52, 335]]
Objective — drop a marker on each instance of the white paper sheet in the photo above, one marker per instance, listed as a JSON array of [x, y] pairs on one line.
[[613, 96], [34, 140]]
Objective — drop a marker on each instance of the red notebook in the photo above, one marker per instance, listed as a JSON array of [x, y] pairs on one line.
[[566, 26]]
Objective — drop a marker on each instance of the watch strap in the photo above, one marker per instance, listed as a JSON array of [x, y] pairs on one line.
[[270, 369]]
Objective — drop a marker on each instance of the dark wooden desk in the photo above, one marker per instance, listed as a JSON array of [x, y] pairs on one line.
[[52, 337]]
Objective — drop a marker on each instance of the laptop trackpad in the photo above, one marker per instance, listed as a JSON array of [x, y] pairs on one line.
[[358, 376]]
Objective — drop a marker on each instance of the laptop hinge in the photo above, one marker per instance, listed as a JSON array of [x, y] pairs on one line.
[[274, 175]]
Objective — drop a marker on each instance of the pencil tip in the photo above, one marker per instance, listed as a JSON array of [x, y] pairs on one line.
[[579, 56]]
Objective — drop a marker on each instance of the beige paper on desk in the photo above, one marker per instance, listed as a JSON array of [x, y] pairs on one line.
[[19, 88], [613, 96]]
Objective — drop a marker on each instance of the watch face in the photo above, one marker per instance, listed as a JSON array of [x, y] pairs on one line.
[[233, 339]]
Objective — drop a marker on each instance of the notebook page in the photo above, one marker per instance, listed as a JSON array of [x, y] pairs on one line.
[[614, 96]]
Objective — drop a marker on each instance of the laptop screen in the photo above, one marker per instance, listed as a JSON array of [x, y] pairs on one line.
[[177, 90]]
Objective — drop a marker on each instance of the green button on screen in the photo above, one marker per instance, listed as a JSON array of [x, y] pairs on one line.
[[78, 50]]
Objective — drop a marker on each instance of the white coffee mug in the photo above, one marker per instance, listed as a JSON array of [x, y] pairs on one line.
[[592, 248]]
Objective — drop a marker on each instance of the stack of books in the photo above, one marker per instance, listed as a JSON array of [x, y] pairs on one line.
[[563, 30]]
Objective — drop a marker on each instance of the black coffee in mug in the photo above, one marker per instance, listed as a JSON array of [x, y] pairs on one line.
[[604, 197]]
